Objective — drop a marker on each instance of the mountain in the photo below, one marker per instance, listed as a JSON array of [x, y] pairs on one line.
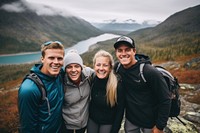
[[23, 30], [125, 26], [182, 23], [178, 35]]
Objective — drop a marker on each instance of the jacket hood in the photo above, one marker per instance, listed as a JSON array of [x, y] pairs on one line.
[[37, 70], [45, 78], [143, 58]]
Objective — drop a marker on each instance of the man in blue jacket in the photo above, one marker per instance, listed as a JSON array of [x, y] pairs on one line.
[[147, 103], [45, 117]]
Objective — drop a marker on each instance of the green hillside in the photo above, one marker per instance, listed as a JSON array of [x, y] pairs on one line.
[[178, 35], [25, 31]]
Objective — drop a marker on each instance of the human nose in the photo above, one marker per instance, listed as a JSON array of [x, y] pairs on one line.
[[55, 60], [73, 69], [101, 67], [123, 52]]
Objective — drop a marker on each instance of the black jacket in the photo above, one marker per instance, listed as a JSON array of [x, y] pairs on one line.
[[147, 104], [100, 112]]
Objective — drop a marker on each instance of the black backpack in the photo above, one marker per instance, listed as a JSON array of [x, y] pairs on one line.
[[171, 81], [173, 86]]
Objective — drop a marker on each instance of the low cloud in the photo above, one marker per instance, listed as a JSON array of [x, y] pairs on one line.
[[13, 7], [39, 9]]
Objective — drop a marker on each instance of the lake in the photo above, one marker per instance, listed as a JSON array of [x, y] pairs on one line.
[[81, 47]]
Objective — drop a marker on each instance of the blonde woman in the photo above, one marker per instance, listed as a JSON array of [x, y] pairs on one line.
[[107, 97]]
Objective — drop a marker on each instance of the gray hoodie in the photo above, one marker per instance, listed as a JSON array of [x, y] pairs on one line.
[[76, 101]]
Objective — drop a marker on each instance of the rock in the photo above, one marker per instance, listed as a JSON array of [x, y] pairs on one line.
[[175, 126], [193, 63], [171, 65], [187, 86], [193, 117]]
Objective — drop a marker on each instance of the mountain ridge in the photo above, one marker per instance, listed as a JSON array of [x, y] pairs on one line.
[[123, 26], [178, 35], [179, 24], [25, 31]]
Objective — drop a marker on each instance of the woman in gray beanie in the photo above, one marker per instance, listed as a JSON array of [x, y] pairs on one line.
[[77, 93]]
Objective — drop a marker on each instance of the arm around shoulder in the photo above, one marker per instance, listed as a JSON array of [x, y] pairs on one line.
[[88, 71]]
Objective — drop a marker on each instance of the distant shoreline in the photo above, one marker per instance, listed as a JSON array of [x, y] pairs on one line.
[[25, 57], [31, 62], [23, 53]]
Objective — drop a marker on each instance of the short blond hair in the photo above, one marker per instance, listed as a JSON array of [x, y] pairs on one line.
[[51, 45]]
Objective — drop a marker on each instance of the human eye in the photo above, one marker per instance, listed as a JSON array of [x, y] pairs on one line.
[[105, 65], [128, 49], [77, 66], [51, 58], [68, 67], [60, 58], [98, 64], [119, 50]]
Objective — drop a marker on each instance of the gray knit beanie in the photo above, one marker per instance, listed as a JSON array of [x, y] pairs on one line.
[[72, 56]]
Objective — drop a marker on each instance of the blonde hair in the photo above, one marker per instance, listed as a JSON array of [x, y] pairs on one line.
[[51, 45], [111, 87]]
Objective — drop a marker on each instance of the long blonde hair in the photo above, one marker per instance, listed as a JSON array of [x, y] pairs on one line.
[[111, 87]]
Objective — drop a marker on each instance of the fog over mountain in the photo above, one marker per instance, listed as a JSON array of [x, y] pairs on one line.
[[24, 27], [20, 6], [124, 26]]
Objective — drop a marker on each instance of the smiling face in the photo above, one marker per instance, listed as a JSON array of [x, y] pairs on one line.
[[74, 72], [52, 61], [102, 67], [126, 55]]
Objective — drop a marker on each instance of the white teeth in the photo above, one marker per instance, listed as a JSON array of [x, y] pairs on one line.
[[55, 67], [73, 74], [124, 57], [101, 72]]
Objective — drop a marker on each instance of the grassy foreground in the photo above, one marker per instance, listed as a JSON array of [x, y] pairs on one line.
[[12, 76]]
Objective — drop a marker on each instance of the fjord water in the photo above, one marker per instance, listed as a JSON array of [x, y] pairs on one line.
[[81, 46]]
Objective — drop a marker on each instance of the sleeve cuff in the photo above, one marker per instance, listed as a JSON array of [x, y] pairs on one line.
[[159, 127]]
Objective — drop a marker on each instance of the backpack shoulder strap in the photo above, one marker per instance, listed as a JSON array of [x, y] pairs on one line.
[[116, 67], [41, 87], [39, 84], [141, 71]]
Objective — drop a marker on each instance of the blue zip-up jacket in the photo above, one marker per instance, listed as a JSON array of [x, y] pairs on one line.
[[35, 117]]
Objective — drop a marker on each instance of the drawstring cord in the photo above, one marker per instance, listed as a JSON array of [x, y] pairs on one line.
[[48, 105]]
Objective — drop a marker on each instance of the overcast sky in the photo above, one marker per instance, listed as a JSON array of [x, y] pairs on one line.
[[100, 10]]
